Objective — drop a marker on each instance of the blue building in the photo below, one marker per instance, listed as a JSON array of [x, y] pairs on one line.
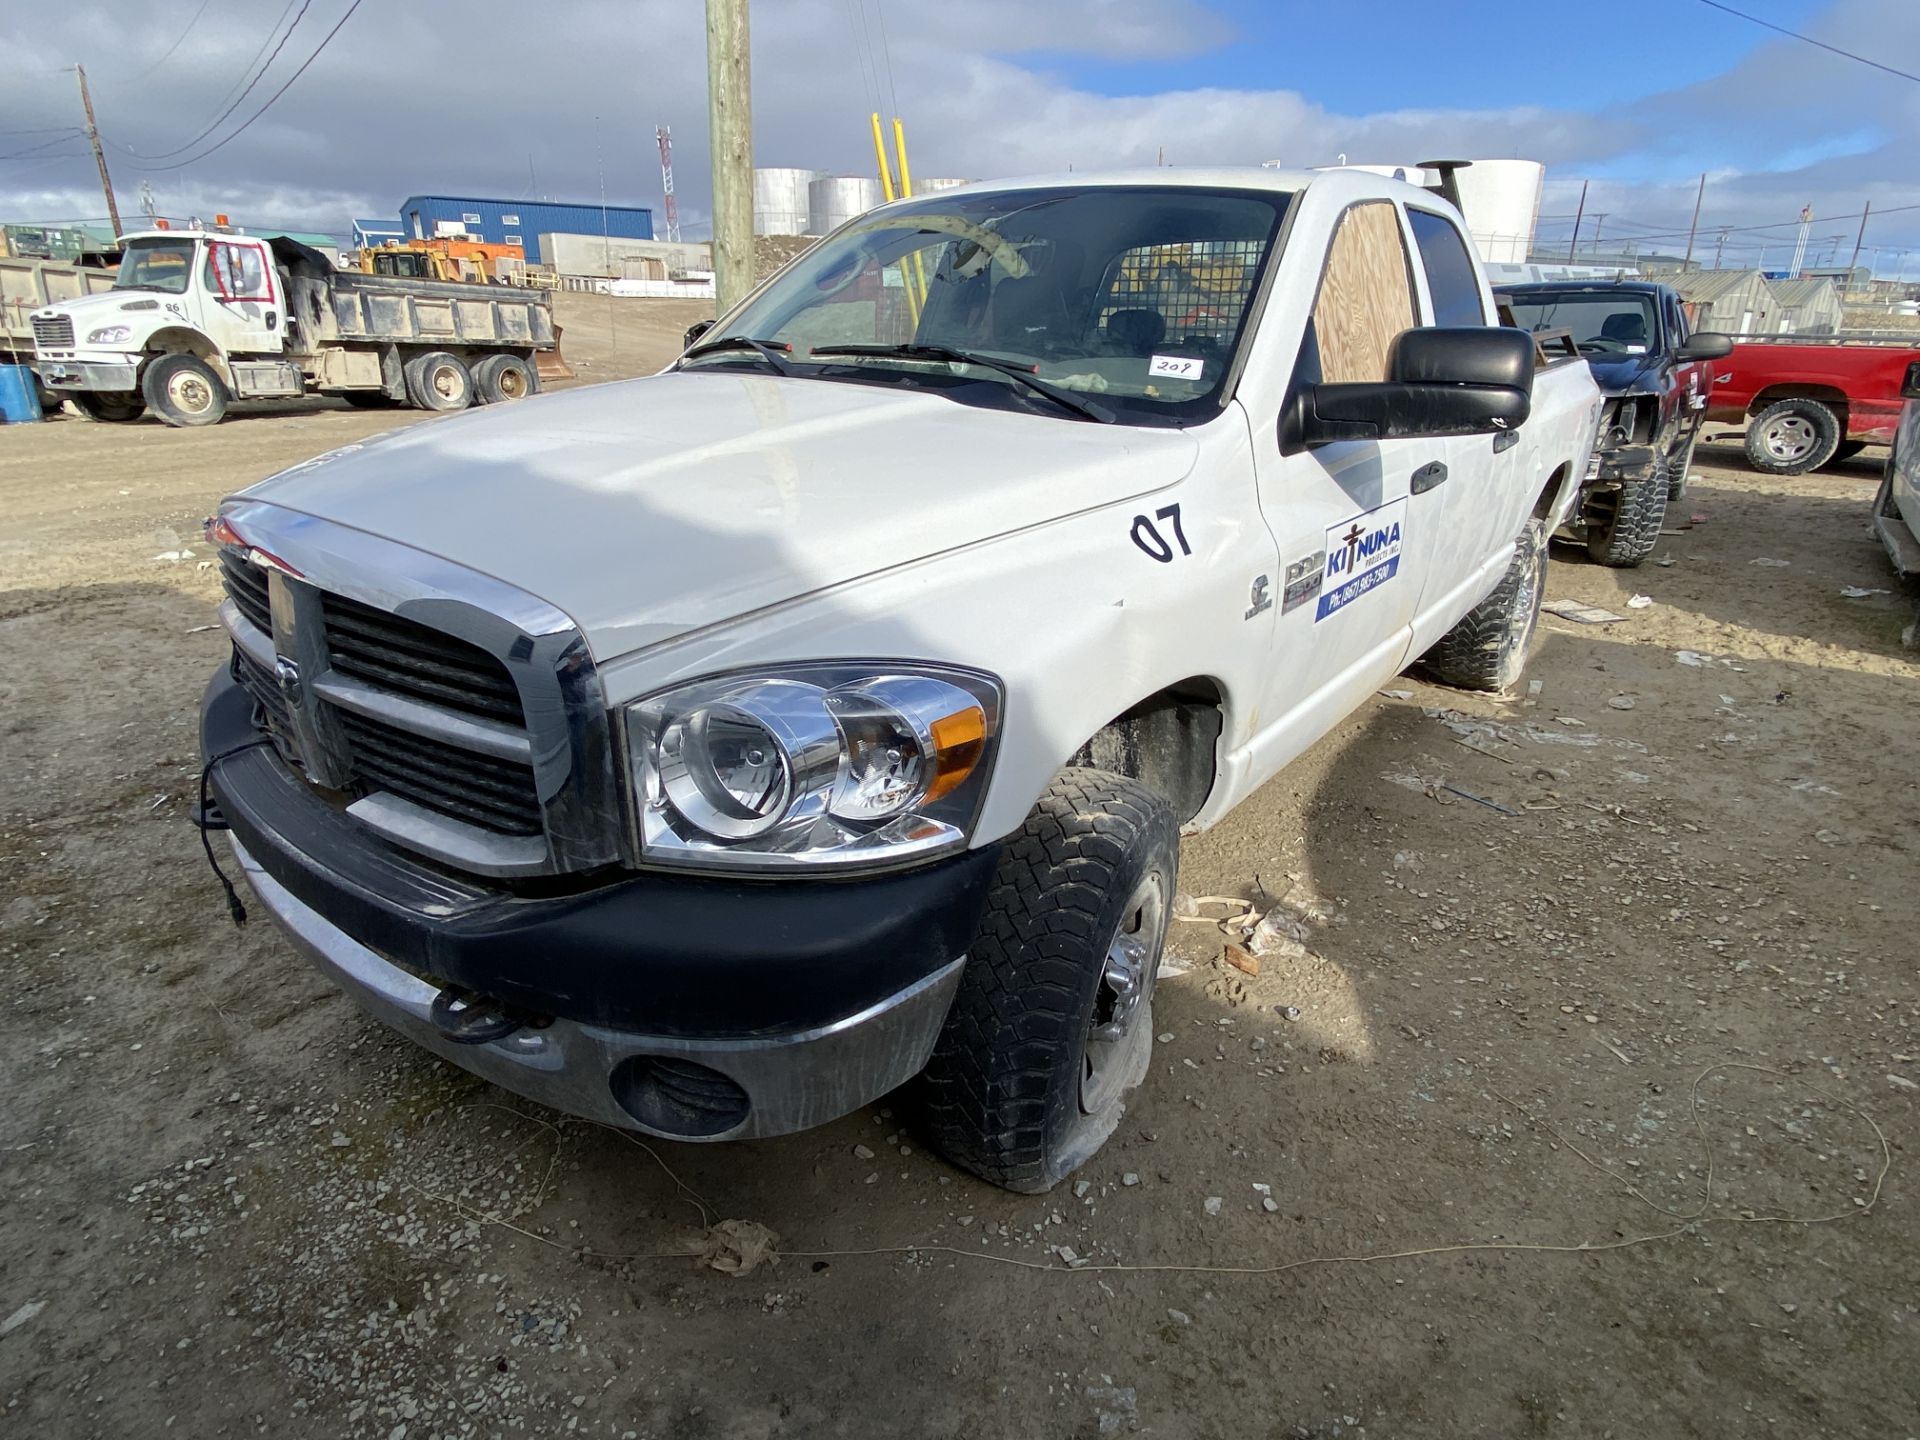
[[518, 222]]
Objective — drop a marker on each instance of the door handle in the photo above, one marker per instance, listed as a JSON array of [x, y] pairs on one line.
[[1426, 477]]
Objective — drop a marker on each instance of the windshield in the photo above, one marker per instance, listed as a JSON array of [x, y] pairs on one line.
[[1136, 296], [156, 264], [1601, 324]]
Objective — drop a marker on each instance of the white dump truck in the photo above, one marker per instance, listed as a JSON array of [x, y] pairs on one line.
[[196, 318], [712, 753]]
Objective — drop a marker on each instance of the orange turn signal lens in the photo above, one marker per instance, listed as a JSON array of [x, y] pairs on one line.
[[959, 740]]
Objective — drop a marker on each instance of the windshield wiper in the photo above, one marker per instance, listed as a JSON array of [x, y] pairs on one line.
[[774, 352], [1065, 399]]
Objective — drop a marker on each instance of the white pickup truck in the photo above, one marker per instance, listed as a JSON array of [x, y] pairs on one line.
[[712, 753]]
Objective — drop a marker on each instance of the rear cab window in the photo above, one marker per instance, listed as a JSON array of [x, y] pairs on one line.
[[1453, 279]]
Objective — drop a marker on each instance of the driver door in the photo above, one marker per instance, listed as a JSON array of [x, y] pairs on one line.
[[245, 313]]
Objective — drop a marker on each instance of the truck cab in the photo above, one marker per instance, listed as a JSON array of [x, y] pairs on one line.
[[213, 296]]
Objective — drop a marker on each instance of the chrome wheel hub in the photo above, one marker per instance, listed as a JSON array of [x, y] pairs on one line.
[[1789, 438]]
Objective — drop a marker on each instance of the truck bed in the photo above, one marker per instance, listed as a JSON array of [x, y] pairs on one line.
[[1858, 379], [345, 305], [26, 285]]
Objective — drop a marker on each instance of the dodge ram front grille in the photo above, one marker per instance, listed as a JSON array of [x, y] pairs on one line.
[[393, 664], [53, 332], [384, 649]]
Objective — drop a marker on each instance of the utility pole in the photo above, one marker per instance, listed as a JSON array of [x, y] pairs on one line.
[[1865, 210], [730, 137], [1579, 213], [1719, 247], [99, 155], [1599, 219], [1698, 196]]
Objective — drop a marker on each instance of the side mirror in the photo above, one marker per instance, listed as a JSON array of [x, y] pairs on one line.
[[695, 331], [1475, 380], [1705, 345], [1910, 382]]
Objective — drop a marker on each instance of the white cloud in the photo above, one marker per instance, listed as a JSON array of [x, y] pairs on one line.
[[408, 100]]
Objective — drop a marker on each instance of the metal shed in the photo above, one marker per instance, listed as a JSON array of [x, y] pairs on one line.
[[1811, 305], [518, 222], [1735, 302]]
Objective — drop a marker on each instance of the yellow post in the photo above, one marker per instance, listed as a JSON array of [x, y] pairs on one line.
[[886, 187], [919, 280]]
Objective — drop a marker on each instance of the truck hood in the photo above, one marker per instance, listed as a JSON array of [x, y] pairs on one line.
[[98, 309], [650, 508], [1625, 374]]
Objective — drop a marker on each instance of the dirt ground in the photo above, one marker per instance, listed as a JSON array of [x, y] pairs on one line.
[[229, 1204]]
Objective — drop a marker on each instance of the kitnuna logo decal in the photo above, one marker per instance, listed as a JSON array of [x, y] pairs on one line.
[[1362, 555]]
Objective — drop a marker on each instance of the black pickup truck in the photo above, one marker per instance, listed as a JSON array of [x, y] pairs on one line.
[[1654, 371]]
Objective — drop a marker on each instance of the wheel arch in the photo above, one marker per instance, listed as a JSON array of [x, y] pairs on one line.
[[184, 340], [1832, 396], [1169, 741], [1553, 492]]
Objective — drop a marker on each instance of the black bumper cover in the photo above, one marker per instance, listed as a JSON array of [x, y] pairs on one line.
[[669, 954]]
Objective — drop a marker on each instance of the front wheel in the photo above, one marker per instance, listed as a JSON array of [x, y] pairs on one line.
[[107, 408], [1052, 1028], [184, 390], [1623, 524], [1791, 437]]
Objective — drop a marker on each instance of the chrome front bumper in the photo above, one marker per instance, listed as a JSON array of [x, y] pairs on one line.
[[88, 375], [792, 1081]]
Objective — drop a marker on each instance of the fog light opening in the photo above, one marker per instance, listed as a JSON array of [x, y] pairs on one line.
[[678, 1097]]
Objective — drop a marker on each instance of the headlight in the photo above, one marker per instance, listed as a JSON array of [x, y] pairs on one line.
[[810, 766], [110, 335]]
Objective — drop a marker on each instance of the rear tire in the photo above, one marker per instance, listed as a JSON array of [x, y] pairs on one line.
[[1791, 437], [438, 381], [106, 408], [1623, 525], [1052, 1027], [501, 378], [1487, 650], [183, 390]]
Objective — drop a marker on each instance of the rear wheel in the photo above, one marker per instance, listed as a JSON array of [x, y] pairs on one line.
[[184, 390], [439, 381], [1623, 525], [109, 408], [1487, 650], [1791, 437], [503, 377], [1052, 1028]]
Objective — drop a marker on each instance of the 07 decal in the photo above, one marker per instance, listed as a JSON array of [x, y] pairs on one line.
[[1362, 555], [1152, 543]]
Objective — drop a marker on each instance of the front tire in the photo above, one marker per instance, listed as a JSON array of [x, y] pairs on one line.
[[438, 381], [1052, 1028], [106, 408], [183, 390], [1791, 437], [1487, 650], [1623, 524]]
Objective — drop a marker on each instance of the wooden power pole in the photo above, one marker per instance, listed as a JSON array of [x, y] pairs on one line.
[[99, 155], [730, 125], [1694, 228]]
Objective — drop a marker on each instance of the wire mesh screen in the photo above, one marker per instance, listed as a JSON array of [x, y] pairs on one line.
[[1199, 289]]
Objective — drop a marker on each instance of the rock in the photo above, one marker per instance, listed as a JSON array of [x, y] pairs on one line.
[[1280, 932], [1132, 1177], [1080, 1189], [21, 1316], [1622, 702], [1288, 1012], [1179, 1317], [862, 1152], [340, 1141], [1213, 1204], [1269, 1204], [1165, 1037], [1899, 1082]]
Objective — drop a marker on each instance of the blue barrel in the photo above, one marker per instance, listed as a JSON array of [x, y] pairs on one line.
[[19, 395]]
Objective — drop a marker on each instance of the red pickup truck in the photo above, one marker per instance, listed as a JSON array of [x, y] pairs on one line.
[[1806, 402]]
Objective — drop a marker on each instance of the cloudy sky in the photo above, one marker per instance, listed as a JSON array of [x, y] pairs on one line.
[[485, 97]]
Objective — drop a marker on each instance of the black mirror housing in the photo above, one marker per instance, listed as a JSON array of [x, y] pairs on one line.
[[1475, 380], [695, 331], [1705, 345]]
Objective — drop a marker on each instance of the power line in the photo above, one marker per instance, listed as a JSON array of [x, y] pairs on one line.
[[173, 47], [214, 123], [72, 131], [236, 134], [1808, 40]]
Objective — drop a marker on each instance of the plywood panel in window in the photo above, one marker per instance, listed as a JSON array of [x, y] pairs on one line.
[[1366, 296]]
